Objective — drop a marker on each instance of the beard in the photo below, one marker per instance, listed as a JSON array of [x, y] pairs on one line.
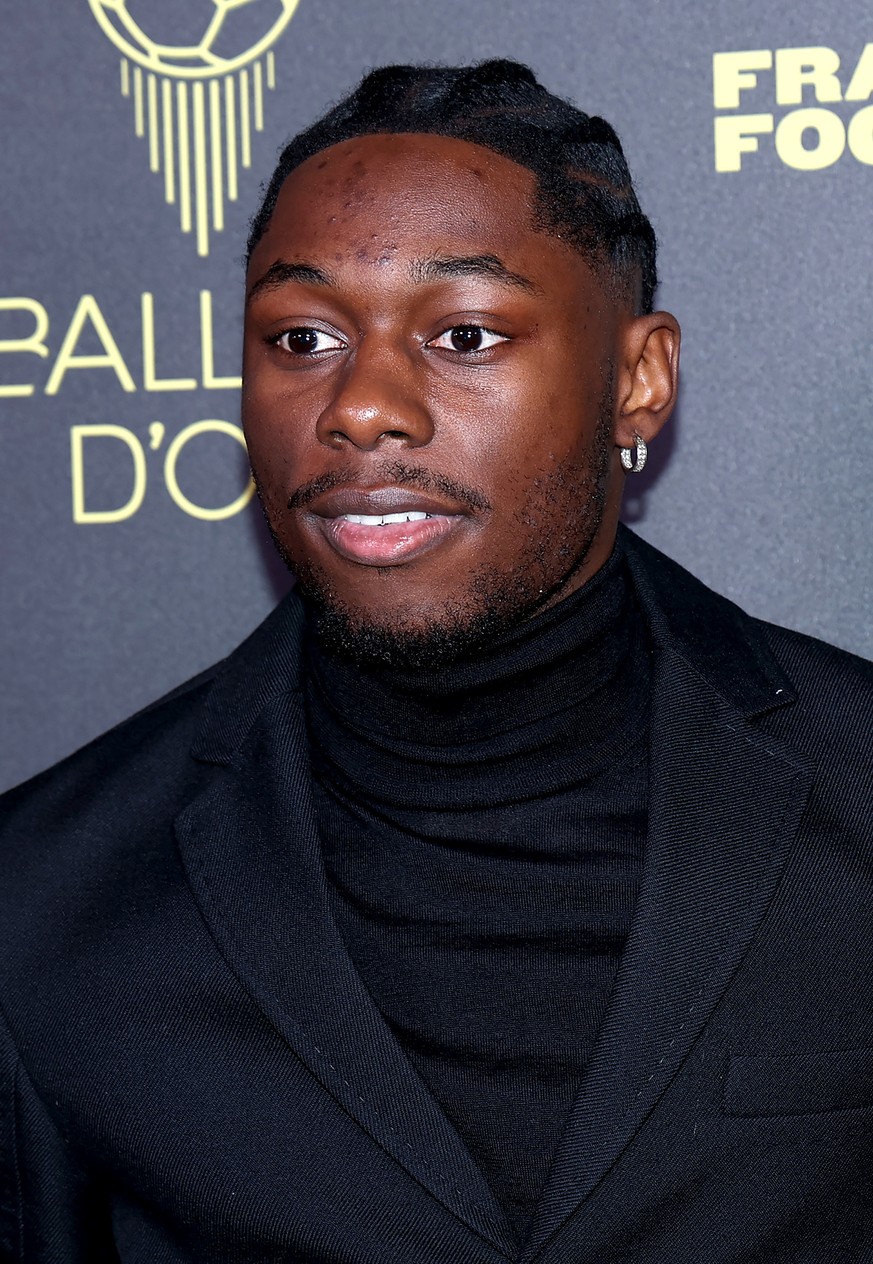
[[557, 525]]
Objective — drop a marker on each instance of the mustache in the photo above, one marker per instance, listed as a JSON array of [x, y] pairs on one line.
[[396, 473]]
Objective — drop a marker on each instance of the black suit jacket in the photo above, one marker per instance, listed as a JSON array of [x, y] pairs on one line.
[[194, 1071]]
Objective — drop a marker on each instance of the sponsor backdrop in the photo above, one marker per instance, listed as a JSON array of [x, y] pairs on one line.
[[135, 135]]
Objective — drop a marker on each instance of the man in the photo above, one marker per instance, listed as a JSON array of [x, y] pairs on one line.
[[508, 895]]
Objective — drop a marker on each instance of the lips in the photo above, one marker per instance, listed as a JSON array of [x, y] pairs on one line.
[[384, 526]]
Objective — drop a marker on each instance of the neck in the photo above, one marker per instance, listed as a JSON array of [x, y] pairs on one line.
[[565, 681]]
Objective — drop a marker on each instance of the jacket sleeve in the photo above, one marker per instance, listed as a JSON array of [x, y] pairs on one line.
[[50, 1211]]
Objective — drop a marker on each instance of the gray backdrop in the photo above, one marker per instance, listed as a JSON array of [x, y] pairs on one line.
[[762, 487]]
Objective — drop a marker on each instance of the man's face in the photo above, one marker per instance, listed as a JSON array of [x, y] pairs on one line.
[[428, 395]]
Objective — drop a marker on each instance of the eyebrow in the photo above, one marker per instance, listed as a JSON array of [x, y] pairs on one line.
[[424, 271], [283, 272], [442, 267]]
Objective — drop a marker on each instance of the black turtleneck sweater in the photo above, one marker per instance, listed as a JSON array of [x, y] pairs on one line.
[[482, 830]]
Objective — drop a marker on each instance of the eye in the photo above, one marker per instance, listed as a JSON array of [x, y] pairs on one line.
[[467, 338], [306, 341]]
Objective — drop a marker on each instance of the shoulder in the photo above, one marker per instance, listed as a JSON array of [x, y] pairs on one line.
[[142, 767], [79, 840], [814, 662], [833, 713], [802, 686], [87, 856], [97, 831], [143, 757]]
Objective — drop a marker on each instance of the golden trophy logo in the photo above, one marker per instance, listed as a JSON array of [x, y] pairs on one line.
[[196, 105]]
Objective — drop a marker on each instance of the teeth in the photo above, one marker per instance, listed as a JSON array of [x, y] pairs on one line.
[[381, 520]]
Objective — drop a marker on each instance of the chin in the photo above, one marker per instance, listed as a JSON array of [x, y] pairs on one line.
[[450, 630], [395, 638]]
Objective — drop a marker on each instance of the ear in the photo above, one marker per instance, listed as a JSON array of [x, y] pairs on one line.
[[648, 376]]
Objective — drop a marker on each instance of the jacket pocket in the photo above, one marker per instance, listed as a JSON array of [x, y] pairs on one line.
[[799, 1084]]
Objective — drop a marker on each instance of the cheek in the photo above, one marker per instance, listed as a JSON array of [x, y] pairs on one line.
[[268, 447], [550, 411], [275, 427], [522, 457]]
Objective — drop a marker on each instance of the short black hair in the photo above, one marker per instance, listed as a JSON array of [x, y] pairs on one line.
[[584, 188]]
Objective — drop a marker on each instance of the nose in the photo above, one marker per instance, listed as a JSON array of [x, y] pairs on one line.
[[376, 398]]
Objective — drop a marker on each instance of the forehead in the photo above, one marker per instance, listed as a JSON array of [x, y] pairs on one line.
[[407, 191]]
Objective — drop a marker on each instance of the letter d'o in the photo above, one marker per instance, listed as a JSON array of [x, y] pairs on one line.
[[77, 436]]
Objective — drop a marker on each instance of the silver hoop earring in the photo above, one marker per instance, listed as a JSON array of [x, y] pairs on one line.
[[631, 465]]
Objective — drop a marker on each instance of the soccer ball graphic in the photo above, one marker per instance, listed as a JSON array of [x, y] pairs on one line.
[[234, 33]]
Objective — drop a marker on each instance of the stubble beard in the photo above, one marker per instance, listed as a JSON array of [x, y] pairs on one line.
[[560, 522]]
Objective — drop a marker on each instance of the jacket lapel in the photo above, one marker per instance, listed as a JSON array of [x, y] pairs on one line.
[[250, 848], [725, 803]]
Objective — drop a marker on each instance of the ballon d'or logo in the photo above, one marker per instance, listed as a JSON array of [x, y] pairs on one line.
[[196, 104]]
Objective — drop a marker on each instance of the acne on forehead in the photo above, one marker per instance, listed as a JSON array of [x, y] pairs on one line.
[[374, 200], [416, 183]]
